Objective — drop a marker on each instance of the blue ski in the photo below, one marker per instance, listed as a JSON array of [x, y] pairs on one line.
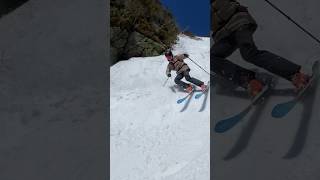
[[282, 109], [184, 98], [197, 96], [228, 123]]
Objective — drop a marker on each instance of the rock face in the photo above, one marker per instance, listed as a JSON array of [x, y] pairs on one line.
[[140, 28], [6, 6]]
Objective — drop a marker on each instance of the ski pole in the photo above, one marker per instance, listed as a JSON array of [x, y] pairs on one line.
[[293, 21], [165, 82], [211, 73]]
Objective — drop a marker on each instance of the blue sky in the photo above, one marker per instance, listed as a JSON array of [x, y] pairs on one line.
[[191, 14]]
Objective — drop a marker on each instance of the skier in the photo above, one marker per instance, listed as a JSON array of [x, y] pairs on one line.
[[177, 63], [233, 28]]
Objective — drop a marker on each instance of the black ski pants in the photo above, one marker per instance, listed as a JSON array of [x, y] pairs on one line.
[[243, 40], [187, 76]]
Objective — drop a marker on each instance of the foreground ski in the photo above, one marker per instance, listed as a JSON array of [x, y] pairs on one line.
[[186, 104], [228, 123], [282, 109], [179, 101], [197, 96], [204, 102], [309, 104]]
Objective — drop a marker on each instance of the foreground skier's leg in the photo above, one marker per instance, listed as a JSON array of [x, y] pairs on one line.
[[225, 68], [192, 80], [264, 59], [178, 81]]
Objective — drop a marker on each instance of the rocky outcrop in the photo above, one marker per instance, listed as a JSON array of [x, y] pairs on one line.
[[6, 6], [135, 44], [140, 28]]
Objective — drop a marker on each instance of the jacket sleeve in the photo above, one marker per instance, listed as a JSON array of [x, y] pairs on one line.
[[180, 57], [169, 69], [225, 9]]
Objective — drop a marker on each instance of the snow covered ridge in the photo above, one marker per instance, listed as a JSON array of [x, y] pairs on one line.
[[150, 138]]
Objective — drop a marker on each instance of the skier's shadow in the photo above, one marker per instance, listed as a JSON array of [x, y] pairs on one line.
[[204, 104], [186, 105], [247, 132], [302, 132]]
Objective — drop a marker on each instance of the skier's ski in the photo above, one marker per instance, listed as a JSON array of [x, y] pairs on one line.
[[205, 93], [187, 102], [204, 102], [228, 123], [197, 96], [282, 109], [179, 101], [300, 139]]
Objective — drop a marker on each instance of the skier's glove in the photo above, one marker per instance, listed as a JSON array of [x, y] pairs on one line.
[[186, 55], [169, 75]]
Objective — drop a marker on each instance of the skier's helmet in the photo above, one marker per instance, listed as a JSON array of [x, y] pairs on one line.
[[168, 54]]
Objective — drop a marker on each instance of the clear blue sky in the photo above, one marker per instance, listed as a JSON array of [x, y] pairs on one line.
[[191, 14]]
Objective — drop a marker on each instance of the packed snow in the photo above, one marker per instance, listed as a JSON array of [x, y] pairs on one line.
[[150, 138]]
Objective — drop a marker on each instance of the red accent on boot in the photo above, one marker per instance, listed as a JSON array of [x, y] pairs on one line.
[[254, 87], [203, 87], [300, 80], [189, 89]]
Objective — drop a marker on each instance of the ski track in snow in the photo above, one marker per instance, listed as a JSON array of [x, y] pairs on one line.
[[150, 138]]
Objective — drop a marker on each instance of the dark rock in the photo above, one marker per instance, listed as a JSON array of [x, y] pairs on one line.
[[140, 28], [7, 6], [139, 45], [119, 37]]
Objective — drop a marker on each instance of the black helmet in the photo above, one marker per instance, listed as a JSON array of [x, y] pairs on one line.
[[168, 53]]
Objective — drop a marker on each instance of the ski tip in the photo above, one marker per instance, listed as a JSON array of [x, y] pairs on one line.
[[277, 113], [281, 110], [197, 96], [220, 129], [179, 101]]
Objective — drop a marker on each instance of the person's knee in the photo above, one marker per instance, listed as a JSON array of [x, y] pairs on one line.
[[177, 80], [188, 78], [248, 52]]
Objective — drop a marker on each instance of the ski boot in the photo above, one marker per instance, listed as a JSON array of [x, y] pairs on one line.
[[189, 89], [254, 87], [203, 87], [300, 80]]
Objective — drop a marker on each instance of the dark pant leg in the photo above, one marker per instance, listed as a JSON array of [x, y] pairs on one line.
[[191, 79], [264, 59], [225, 68], [178, 81]]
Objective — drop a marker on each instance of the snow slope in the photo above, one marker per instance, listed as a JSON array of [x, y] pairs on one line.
[[150, 138], [264, 147]]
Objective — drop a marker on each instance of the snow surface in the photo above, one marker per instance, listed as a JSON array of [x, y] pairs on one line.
[[150, 139]]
